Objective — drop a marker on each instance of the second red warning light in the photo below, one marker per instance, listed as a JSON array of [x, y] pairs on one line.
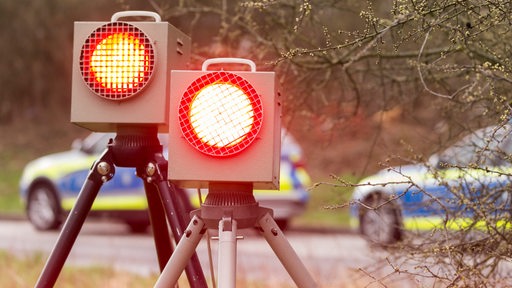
[[220, 114], [224, 126]]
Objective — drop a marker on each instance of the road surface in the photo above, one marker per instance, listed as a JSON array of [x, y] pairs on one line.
[[332, 258]]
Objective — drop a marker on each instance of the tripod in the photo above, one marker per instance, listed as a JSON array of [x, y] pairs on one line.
[[141, 149], [232, 206]]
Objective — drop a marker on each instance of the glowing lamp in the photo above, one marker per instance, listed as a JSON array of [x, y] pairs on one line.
[[117, 60], [220, 114], [121, 72], [224, 126]]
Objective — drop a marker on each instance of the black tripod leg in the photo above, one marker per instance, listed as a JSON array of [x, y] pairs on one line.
[[156, 173], [102, 171], [159, 225], [193, 270]]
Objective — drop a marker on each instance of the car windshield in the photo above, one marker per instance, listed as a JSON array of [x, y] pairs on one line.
[[488, 146], [96, 143]]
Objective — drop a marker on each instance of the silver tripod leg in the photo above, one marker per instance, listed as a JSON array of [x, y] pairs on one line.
[[285, 252], [227, 253], [184, 250]]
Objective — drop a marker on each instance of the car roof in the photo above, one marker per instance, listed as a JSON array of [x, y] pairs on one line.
[[485, 146]]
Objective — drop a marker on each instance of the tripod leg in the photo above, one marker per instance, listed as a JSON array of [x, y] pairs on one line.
[[156, 173], [227, 253], [193, 269], [103, 170], [285, 252], [182, 254], [159, 226]]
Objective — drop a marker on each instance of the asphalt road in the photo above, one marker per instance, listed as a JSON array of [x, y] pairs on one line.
[[332, 258]]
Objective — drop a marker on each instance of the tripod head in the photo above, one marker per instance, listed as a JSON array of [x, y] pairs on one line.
[[231, 199], [135, 146]]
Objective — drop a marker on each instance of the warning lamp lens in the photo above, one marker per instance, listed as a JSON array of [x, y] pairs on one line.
[[220, 114], [117, 60]]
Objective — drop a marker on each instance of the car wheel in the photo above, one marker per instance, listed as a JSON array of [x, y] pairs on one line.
[[380, 220], [43, 209]]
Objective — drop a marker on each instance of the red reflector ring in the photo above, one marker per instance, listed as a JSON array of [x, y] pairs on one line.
[[220, 114], [117, 61]]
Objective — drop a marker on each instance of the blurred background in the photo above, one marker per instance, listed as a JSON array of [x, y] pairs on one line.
[[364, 84], [352, 96]]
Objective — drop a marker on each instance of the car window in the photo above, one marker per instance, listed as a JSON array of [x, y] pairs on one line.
[[164, 139], [96, 143], [488, 146], [289, 146]]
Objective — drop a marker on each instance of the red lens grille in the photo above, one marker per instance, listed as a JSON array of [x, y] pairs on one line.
[[220, 114], [117, 60]]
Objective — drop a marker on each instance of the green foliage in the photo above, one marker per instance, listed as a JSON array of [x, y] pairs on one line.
[[324, 209], [9, 197]]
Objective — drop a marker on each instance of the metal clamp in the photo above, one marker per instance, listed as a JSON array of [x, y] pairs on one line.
[[208, 62], [121, 14]]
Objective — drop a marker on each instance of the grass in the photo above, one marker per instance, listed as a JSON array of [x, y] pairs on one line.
[[23, 272], [9, 199], [326, 207]]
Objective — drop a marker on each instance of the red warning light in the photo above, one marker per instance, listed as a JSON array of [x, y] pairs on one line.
[[117, 60], [220, 114]]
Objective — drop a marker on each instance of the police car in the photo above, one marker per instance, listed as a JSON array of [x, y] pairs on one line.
[[446, 191], [50, 185]]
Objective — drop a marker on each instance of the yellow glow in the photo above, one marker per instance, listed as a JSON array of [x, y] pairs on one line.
[[119, 62], [221, 115]]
